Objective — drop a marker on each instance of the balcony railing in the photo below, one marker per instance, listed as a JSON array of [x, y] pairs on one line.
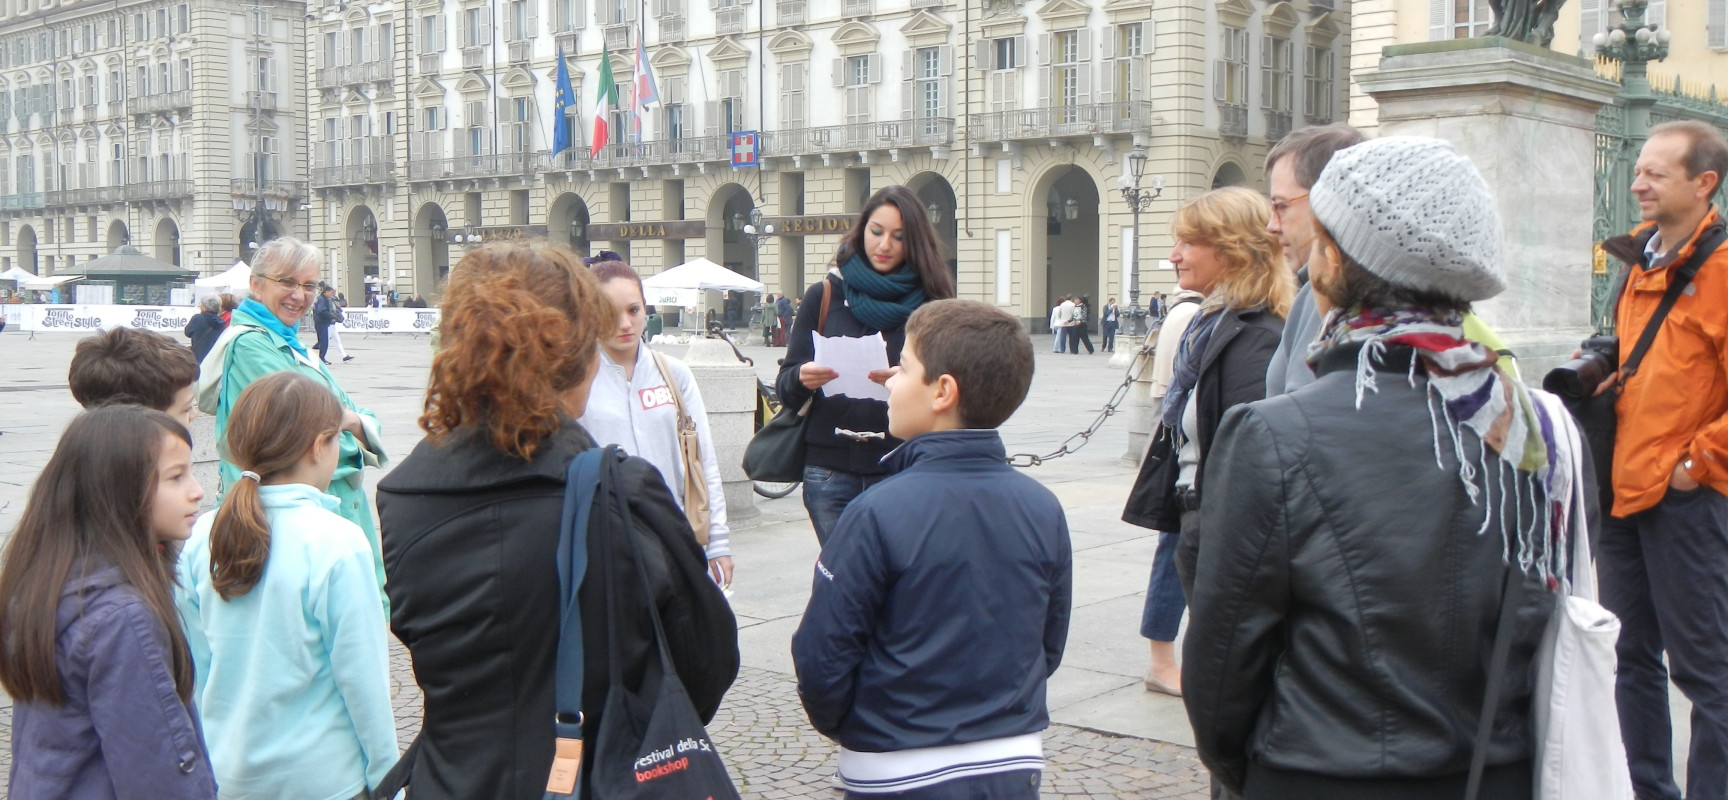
[[1131, 116], [521, 51], [94, 195], [473, 58], [275, 190], [661, 152], [856, 8], [859, 136], [265, 101], [1232, 119], [370, 172], [158, 103], [673, 29], [729, 20], [431, 63], [159, 190], [790, 12], [494, 165], [929, 3], [354, 74], [1277, 125], [617, 38], [19, 202]]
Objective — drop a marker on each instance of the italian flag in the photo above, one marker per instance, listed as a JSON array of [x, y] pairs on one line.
[[604, 102]]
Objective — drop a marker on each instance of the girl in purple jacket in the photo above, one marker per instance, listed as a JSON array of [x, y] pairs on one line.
[[91, 650]]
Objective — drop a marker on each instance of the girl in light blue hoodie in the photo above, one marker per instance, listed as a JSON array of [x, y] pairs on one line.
[[283, 613]]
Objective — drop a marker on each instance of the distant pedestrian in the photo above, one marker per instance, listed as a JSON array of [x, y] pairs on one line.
[[205, 326], [783, 310], [1059, 320], [1079, 320], [892, 660], [276, 563], [1107, 323], [324, 316], [95, 660]]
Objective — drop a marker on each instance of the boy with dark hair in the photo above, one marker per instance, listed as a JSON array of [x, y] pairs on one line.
[[129, 365], [941, 601]]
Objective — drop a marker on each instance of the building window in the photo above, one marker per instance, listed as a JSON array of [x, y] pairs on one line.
[[1317, 79], [521, 23], [793, 90], [519, 113], [928, 87], [859, 74], [474, 28], [1458, 19], [1275, 70], [674, 117], [1129, 69], [432, 33], [1230, 73], [1066, 75], [567, 14], [1006, 52]]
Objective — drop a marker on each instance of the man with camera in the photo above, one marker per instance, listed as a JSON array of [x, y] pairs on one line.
[[1663, 560]]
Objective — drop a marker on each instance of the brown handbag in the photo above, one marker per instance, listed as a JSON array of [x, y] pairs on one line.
[[690, 452]]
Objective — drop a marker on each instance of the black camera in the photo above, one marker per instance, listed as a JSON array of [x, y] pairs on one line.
[[1577, 379]]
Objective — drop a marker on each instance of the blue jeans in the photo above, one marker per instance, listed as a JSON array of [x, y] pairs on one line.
[[1018, 785], [1162, 617], [1664, 572], [827, 492], [1059, 334]]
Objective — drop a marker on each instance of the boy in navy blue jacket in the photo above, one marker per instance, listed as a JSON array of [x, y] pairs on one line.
[[941, 601]]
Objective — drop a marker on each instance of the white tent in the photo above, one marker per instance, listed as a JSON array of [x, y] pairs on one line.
[[234, 280], [701, 274], [16, 274]]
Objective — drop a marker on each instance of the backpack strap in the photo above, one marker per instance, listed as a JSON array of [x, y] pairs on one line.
[[827, 297], [581, 484]]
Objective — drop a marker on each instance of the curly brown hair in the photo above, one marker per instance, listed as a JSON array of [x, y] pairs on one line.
[[521, 326]]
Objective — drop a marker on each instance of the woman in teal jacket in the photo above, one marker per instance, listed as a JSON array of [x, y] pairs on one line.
[[261, 339]]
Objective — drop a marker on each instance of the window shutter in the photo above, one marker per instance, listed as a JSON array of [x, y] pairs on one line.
[[711, 117], [1044, 79], [983, 54], [1437, 19], [1590, 23], [908, 99], [485, 26], [1218, 70], [909, 66], [1043, 49], [1083, 77], [874, 68], [945, 60], [1716, 24], [1083, 45], [1107, 79], [839, 72]]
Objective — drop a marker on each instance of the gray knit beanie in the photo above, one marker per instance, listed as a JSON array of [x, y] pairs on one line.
[[1414, 212]]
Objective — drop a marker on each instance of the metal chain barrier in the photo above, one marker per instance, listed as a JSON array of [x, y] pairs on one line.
[[1071, 445]]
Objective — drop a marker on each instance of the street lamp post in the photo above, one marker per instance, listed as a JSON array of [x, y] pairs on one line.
[[757, 230], [1138, 200]]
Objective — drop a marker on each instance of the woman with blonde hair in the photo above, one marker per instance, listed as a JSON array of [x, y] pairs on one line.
[[471, 529], [1224, 252]]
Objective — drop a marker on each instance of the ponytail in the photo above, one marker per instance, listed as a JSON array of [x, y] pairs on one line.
[[239, 540], [276, 421]]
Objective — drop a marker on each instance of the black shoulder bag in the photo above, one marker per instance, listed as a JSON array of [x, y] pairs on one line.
[[1596, 415]]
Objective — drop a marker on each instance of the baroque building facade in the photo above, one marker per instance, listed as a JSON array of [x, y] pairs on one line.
[[172, 125], [432, 123]]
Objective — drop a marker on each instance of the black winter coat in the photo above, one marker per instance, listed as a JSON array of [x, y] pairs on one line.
[[204, 329], [1344, 607], [469, 537], [1232, 372], [825, 448]]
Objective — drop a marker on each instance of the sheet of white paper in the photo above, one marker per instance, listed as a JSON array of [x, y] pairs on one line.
[[853, 357]]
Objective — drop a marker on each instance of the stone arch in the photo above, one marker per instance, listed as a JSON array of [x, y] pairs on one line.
[[116, 236], [360, 252], [726, 243], [567, 223], [1065, 235], [1229, 173], [28, 258], [166, 241], [431, 249], [941, 206]]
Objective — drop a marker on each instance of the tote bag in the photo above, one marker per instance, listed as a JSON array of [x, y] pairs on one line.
[[651, 744], [1579, 752]]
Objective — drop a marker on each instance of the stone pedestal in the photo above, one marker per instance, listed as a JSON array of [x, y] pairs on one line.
[[729, 392], [1137, 407], [1526, 117], [206, 464]]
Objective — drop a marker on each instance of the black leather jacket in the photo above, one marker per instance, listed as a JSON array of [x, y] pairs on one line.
[[1345, 605]]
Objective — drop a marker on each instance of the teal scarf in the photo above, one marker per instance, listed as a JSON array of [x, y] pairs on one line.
[[267, 320], [881, 302]]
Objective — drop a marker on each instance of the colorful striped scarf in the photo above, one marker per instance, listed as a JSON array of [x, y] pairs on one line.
[[1524, 472]]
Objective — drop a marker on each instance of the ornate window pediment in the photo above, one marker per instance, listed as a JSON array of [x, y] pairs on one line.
[[429, 88], [790, 44], [518, 78], [471, 84], [1324, 28], [671, 59], [728, 53], [1121, 11], [1235, 13], [1063, 14], [1280, 19], [856, 39], [925, 29]]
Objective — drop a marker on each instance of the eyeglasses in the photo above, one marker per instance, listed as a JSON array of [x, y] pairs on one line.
[[1281, 206], [291, 285]]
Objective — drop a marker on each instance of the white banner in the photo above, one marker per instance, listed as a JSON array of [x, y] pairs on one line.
[[388, 320], [80, 318]]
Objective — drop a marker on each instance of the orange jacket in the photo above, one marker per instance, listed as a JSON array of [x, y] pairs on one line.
[[1676, 407]]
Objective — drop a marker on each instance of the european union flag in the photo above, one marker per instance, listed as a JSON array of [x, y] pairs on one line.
[[562, 99]]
